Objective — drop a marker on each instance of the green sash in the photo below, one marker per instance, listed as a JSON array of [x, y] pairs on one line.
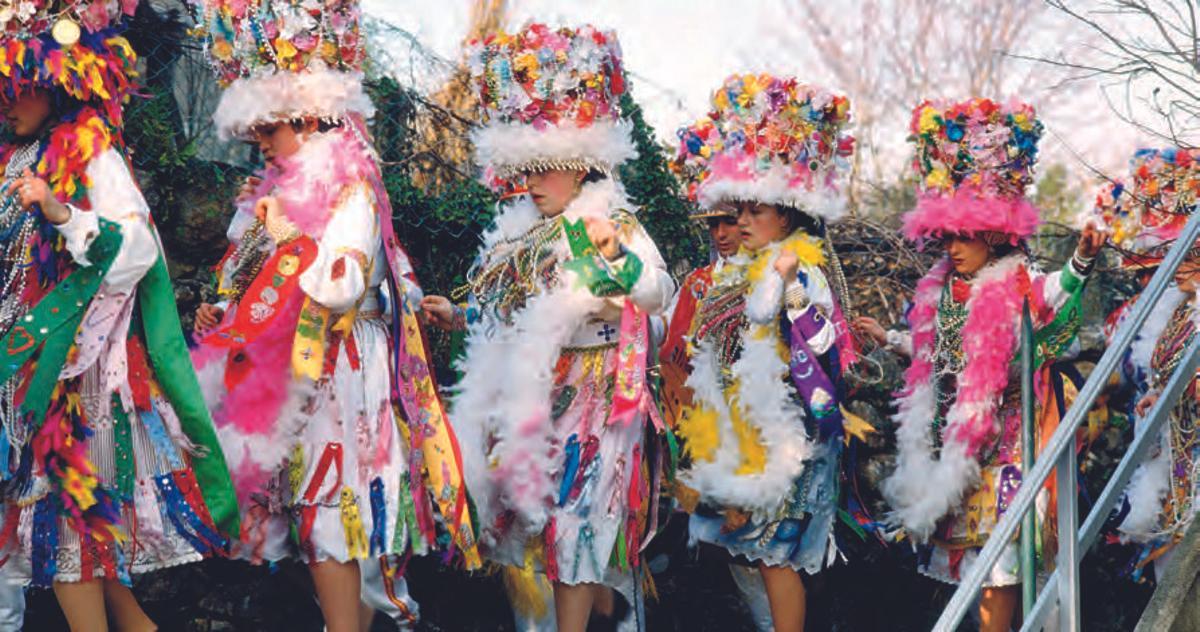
[[172, 364], [1052, 340], [599, 279], [51, 325]]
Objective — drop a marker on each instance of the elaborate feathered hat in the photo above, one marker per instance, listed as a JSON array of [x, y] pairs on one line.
[[975, 159], [771, 140], [549, 99], [72, 46], [1145, 213], [284, 60]]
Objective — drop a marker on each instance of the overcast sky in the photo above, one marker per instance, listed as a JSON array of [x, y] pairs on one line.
[[678, 51]]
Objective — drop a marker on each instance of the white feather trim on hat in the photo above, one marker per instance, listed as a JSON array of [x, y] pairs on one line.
[[773, 186], [514, 147], [284, 96]]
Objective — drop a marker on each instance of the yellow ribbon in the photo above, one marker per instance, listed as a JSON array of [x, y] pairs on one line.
[[356, 537]]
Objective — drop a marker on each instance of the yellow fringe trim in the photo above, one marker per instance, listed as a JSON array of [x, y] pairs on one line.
[[528, 591], [750, 446], [699, 426]]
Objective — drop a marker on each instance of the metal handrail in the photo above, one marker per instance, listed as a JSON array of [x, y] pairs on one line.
[[1142, 443], [1059, 454]]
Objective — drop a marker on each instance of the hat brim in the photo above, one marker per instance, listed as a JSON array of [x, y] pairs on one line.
[[514, 148], [711, 213]]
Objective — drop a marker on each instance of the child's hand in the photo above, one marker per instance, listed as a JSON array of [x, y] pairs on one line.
[[34, 190]]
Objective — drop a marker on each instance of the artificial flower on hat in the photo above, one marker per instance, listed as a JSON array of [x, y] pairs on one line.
[[549, 99], [1165, 185], [697, 143], [772, 140], [974, 159], [284, 60]]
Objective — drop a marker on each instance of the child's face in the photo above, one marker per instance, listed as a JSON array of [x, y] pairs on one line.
[[760, 225], [27, 114], [967, 253], [279, 140], [553, 190]]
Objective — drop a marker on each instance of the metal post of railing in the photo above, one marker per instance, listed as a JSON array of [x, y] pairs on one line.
[[1068, 550], [1028, 448], [1064, 436]]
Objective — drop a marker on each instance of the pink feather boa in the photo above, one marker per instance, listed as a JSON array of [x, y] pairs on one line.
[[313, 181], [925, 488], [990, 337], [309, 185], [966, 212]]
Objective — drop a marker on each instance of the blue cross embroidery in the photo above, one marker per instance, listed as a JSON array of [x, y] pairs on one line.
[[606, 332]]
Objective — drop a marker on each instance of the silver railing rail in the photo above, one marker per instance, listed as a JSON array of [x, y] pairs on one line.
[[1061, 591]]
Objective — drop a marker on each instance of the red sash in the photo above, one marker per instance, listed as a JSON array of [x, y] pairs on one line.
[[270, 291], [673, 355]]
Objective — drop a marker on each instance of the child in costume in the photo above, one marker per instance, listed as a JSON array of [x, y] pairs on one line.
[[1161, 497], [959, 436], [768, 340], [110, 463], [553, 406], [671, 329], [314, 362]]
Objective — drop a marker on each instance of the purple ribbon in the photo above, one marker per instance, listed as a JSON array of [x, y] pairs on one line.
[[810, 379]]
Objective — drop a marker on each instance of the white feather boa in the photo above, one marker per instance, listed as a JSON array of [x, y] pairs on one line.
[[502, 405], [923, 488], [1152, 480], [1147, 338], [765, 400]]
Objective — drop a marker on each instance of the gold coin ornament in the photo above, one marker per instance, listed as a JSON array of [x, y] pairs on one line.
[[66, 32], [289, 265]]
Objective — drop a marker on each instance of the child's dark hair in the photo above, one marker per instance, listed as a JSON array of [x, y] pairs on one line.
[[594, 175], [799, 219]]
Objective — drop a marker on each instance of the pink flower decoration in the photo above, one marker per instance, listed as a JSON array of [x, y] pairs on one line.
[[94, 17]]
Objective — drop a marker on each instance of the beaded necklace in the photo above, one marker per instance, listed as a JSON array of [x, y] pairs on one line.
[[720, 318], [17, 230], [248, 259], [1181, 431], [1172, 343], [948, 357], [514, 269]]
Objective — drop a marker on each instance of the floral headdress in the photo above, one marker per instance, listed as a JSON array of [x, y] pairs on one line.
[[975, 159], [549, 99], [1147, 212], [284, 60], [771, 140], [696, 143], [73, 46]]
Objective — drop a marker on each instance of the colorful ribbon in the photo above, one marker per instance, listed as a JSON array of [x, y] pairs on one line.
[[810, 379]]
